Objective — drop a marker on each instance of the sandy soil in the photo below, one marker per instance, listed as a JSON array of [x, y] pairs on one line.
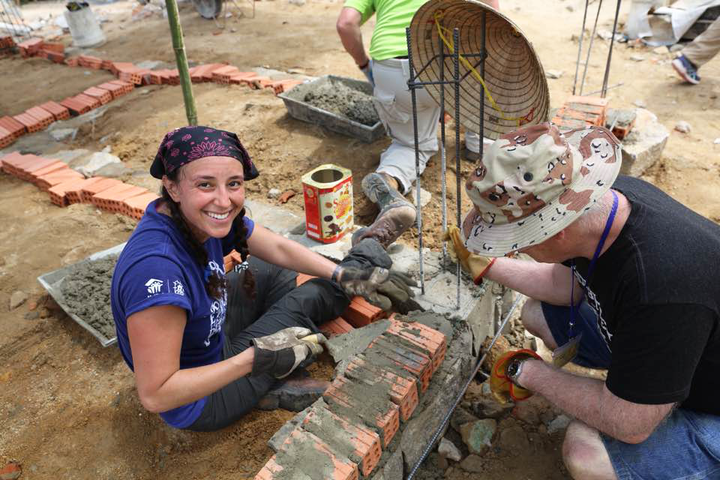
[[68, 407]]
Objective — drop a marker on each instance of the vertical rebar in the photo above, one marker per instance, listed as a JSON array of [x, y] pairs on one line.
[[612, 42], [443, 158], [481, 65], [592, 38], [580, 42], [418, 205], [456, 77]]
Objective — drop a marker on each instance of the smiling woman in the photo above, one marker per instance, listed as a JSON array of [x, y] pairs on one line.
[[205, 347]]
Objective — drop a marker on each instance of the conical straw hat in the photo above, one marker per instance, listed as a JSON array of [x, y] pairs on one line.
[[517, 91]]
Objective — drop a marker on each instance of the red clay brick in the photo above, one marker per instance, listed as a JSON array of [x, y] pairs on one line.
[[89, 61], [91, 102], [127, 86], [411, 361], [31, 123], [107, 65], [117, 66], [160, 77], [32, 164], [428, 340], [134, 207], [55, 166], [403, 392], [50, 180], [74, 106], [74, 195], [13, 126], [336, 327], [56, 110], [257, 82], [59, 193], [8, 157], [55, 56], [344, 469], [111, 200], [361, 444], [7, 42], [387, 421], [239, 77], [360, 313], [6, 138], [71, 61], [131, 75], [100, 93], [28, 48], [203, 73], [12, 161], [284, 85], [91, 189], [43, 116], [223, 74]]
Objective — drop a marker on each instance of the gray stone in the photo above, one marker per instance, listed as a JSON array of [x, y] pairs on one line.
[[273, 193], [488, 407], [644, 145], [39, 143], [460, 417], [62, 134], [478, 435], [99, 161], [393, 468], [149, 64], [112, 170], [637, 58], [74, 158], [17, 298], [425, 196], [560, 423], [640, 103], [278, 220], [85, 118], [447, 449], [554, 74], [514, 440], [472, 464], [683, 127]]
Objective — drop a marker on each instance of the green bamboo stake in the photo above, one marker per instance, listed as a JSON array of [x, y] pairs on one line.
[[181, 60]]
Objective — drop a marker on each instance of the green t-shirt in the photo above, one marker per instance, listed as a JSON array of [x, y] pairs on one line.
[[393, 17]]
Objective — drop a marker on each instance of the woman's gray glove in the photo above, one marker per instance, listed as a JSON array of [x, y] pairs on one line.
[[381, 287], [280, 353]]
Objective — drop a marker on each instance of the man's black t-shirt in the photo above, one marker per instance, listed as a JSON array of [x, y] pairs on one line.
[[656, 290]]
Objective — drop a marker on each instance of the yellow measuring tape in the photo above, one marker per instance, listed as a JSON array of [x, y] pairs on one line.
[[449, 44]]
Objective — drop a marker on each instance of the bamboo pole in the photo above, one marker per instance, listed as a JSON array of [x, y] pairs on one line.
[[181, 60]]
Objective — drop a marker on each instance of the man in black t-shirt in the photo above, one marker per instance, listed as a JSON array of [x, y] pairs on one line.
[[624, 278]]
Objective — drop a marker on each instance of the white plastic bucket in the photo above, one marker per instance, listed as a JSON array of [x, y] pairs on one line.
[[84, 28]]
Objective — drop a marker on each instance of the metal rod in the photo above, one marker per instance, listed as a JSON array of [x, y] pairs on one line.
[[608, 88], [609, 59], [443, 157], [460, 395], [592, 38], [481, 66], [580, 42], [181, 60], [418, 205], [456, 76]]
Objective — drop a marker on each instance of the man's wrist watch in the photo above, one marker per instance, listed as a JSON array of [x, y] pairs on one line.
[[515, 369]]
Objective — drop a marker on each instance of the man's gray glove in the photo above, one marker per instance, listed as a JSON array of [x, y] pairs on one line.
[[367, 71], [379, 286], [280, 353]]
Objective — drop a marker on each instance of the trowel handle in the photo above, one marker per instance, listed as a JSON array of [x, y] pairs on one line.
[[314, 338]]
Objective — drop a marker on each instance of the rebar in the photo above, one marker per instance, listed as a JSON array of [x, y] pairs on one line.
[[418, 188], [609, 59], [456, 76], [443, 157], [460, 395], [592, 38], [580, 42]]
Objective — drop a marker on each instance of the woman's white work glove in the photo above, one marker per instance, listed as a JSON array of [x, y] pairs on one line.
[[381, 287], [280, 353]]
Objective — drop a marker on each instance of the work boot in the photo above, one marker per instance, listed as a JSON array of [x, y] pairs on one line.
[[686, 69], [396, 213], [469, 155]]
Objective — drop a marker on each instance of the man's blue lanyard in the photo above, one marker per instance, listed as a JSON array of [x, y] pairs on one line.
[[606, 232]]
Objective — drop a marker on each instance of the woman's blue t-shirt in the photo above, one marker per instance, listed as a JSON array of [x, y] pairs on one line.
[[157, 267]]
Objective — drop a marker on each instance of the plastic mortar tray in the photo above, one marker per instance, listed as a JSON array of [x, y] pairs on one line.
[[52, 282], [299, 109]]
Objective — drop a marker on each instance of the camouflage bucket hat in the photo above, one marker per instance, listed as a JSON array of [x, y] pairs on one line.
[[534, 182]]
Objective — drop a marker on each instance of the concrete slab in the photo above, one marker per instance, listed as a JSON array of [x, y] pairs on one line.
[[644, 145]]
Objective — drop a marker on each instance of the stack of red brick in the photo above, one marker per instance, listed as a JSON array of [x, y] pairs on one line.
[[66, 186], [7, 45], [579, 112], [345, 434]]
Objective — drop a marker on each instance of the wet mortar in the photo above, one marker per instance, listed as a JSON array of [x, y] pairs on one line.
[[86, 291], [340, 99]]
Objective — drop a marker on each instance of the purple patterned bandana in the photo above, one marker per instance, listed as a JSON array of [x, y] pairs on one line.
[[183, 145]]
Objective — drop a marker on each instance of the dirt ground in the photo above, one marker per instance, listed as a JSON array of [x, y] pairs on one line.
[[68, 407]]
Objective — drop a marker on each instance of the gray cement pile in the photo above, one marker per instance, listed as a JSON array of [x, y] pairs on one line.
[[86, 291], [340, 99]]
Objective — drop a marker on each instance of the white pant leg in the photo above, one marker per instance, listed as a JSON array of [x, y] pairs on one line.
[[393, 102], [472, 142]]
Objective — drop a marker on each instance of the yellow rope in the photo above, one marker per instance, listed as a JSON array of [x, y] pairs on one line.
[[451, 47]]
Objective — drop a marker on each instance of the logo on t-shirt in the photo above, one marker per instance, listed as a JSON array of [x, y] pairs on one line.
[[178, 288], [154, 286]]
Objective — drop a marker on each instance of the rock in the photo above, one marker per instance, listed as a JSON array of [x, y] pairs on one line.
[[447, 449], [425, 196], [569, 8], [472, 464], [394, 467], [286, 195], [528, 411], [560, 423], [112, 170], [637, 58], [273, 193], [683, 127], [547, 416], [73, 158], [32, 316], [17, 298], [460, 417], [149, 64], [99, 161], [440, 462], [299, 3], [660, 50], [488, 407], [61, 134], [478, 435], [44, 313], [554, 74], [11, 471], [32, 305], [644, 145], [639, 103], [514, 440], [717, 141]]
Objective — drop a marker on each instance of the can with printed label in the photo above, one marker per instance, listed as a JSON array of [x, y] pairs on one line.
[[328, 202]]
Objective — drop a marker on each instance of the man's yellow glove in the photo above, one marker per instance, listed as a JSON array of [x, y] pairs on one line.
[[501, 381], [476, 265]]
